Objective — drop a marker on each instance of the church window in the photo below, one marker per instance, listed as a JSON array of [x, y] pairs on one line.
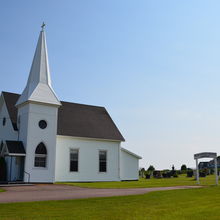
[[74, 160], [40, 156], [4, 121], [102, 161], [42, 124]]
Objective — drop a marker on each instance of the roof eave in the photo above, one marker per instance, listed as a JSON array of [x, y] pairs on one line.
[[90, 138], [131, 153], [37, 102]]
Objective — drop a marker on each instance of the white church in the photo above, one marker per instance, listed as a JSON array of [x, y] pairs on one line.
[[45, 140]]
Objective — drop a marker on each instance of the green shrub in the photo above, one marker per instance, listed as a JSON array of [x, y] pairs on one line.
[[166, 174], [147, 176], [175, 175], [157, 174], [189, 173], [202, 173], [206, 171], [212, 171]]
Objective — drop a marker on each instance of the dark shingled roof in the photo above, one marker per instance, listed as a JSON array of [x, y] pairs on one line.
[[15, 147], [10, 100], [74, 119]]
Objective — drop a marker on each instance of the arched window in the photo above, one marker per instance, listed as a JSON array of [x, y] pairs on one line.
[[40, 156], [4, 121]]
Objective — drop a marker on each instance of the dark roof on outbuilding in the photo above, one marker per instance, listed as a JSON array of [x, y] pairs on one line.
[[74, 119], [15, 147]]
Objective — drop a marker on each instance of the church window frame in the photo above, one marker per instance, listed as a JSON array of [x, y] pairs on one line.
[[42, 124], [40, 158], [74, 160], [103, 161], [4, 121]]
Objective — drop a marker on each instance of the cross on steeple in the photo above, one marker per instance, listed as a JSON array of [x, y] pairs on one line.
[[43, 26]]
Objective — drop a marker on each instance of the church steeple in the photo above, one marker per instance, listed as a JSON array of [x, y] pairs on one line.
[[38, 87]]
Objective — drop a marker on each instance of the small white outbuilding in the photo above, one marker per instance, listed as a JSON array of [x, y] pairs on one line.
[[129, 165]]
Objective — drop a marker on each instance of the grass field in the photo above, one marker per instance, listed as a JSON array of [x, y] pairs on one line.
[[182, 180], [195, 204]]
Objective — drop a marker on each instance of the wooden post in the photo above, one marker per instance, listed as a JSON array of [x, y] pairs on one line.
[[197, 172], [10, 169], [216, 171]]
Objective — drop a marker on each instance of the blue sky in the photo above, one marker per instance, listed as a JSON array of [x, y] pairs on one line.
[[153, 64]]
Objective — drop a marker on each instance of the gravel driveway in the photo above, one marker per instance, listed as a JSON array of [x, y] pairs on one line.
[[41, 192]]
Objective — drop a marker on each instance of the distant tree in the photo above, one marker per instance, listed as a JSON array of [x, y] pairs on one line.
[[183, 167], [151, 168], [142, 172]]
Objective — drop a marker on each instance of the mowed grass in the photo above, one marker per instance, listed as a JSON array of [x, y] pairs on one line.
[[187, 204], [182, 180]]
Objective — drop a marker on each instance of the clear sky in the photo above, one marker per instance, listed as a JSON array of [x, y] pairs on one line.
[[153, 64]]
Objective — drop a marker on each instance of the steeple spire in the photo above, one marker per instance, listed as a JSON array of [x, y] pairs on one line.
[[39, 88]]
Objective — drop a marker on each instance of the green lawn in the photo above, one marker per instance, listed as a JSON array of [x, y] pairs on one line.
[[2, 190], [195, 204], [142, 183]]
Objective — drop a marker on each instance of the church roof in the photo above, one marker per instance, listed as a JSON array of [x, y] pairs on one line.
[[10, 100], [75, 120], [15, 147]]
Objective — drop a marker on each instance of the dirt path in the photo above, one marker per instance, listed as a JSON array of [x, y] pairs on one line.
[[42, 192]]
